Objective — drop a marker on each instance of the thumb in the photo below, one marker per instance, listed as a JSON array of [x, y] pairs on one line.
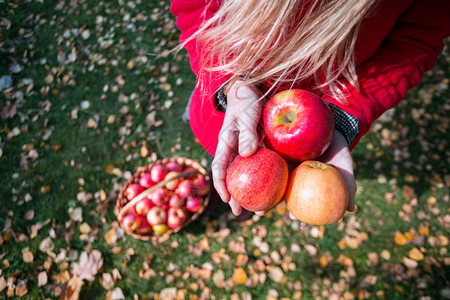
[[248, 142]]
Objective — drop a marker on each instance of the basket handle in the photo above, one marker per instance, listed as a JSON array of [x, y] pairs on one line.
[[151, 189]]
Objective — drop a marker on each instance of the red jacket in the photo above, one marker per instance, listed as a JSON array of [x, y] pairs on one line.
[[396, 45]]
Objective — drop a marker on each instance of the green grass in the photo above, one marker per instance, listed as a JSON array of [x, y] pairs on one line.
[[407, 152]]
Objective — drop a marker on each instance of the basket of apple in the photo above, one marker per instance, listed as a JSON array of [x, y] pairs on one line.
[[162, 198]]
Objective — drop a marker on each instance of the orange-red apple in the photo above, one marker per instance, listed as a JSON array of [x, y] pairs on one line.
[[316, 193], [298, 125], [258, 182]]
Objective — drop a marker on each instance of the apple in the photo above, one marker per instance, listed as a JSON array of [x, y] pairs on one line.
[[171, 185], [258, 182], [160, 228], [156, 215], [298, 125], [173, 166], [192, 176], [145, 226], [133, 190], [184, 188], [200, 186], [193, 203], [177, 216], [176, 201], [159, 196], [316, 193], [131, 221], [157, 173], [143, 206], [146, 180]]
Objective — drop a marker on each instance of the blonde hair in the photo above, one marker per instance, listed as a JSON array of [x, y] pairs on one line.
[[284, 41]]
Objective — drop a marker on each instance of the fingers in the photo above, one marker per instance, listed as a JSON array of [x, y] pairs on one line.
[[225, 152], [247, 123], [338, 155], [236, 208]]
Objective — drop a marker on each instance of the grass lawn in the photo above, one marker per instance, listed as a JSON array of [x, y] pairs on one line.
[[94, 95]]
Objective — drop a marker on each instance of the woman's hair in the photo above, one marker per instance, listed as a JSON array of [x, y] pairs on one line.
[[284, 41]]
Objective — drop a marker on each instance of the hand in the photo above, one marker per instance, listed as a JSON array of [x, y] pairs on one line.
[[338, 155], [238, 135]]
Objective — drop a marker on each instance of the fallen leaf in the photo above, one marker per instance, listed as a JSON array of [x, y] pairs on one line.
[[400, 239], [89, 265], [240, 276], [219, 279], [409, 263], [27, 256], [46, 245], [42, 278], [72, 292], [416, 254], [107, 281], [2, 283], [277, 275], [85, 228], [21, 288]]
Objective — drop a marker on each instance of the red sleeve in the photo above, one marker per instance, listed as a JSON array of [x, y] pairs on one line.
[[190, 15], [407, 52]]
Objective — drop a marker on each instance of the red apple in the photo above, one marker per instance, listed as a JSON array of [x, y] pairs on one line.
[[172, 184], [173, 166], [159, 196], [177, 216], [176, 201], [157, 173], [258, 182], [316, 193], [200, 186], [298, 125], [184, 188], [131, 221], [156, 215], [145, 226], [193, 203], [133, 190], [143, 206], [146, 180]]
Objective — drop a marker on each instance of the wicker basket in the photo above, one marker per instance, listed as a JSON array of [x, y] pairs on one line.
[[123, 204]]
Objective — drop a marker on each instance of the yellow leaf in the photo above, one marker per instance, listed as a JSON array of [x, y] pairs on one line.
[[342, 244], [416, 254], [424, 230], [400, 239], [323, 261], [240, 276], [408, 236]]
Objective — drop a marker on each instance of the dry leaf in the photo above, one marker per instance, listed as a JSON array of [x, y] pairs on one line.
[[240, 276], [21, 288], [73, 289], [42, 278], [219, 279], [116, 294], [46, 245], [2, 283], [111, 236], [277, 274], [89, 265], [107, 281], [85, 228], [27, 256], [416, 254], [400, 239]]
